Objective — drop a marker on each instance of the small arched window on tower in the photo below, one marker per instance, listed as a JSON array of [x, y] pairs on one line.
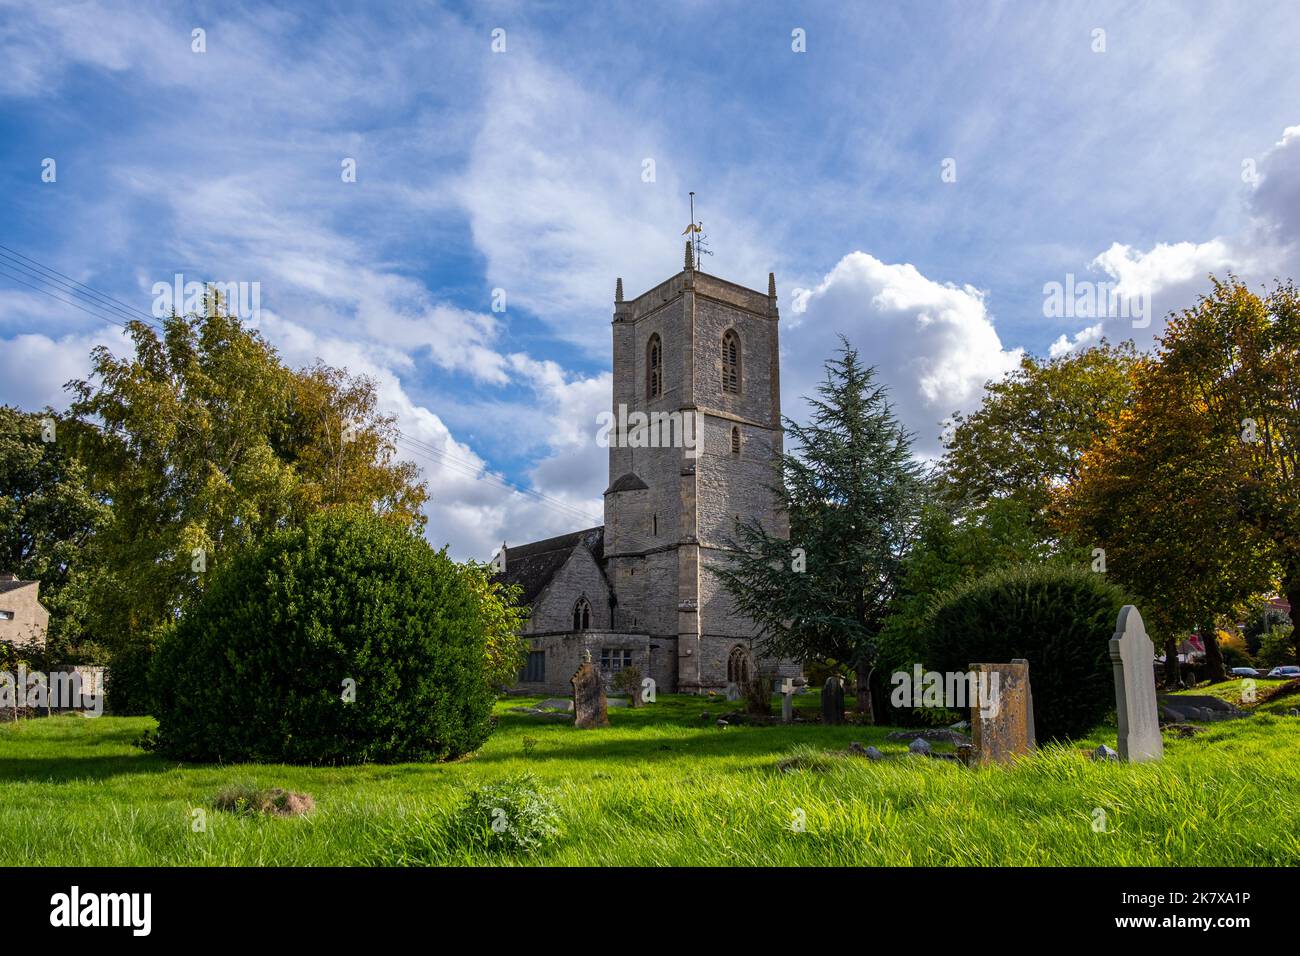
[[735, 439], [654, 368], [582, 615], [731, 362]]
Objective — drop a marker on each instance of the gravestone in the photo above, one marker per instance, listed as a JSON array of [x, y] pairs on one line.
[[589, 706], [733, 692], [833, 701], [1001, 726], [1133, 656], [1029, 694], [787, 701]]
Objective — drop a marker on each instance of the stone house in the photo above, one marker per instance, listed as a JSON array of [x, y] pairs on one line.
[[694, 447], [23, 620]]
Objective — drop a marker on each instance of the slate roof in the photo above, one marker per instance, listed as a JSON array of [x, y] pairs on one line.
[[628, 482], [531, 566], [7, 586]]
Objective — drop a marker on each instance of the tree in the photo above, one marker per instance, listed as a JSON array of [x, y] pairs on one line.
[[1240, 357], [853, 494], [48, 521], [1158, 497], [344, 640], [205, 443], [955, 545], [1028, 433]]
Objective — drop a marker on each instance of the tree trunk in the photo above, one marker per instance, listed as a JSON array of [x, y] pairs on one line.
[[1172, 677], [879, 697], [1213, 656], [862, 703], [1291, 587]]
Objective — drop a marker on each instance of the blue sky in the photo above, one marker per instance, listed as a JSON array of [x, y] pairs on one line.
[[1148, 155]]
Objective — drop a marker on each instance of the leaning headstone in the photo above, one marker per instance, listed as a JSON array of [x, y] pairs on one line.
[[1133, 656], [787, 701], [1001, 726], [1104, 753], [589, 705], [919, 747], [833, 700]]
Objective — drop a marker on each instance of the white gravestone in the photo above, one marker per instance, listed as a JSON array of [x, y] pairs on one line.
[[787, 701], [1133, 656]]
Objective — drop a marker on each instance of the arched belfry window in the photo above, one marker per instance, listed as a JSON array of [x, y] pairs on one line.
[[735, 439], [582, 615], [731, 362], [654, 367]]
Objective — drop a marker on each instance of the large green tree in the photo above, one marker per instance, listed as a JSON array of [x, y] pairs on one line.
[[48, 522], [205, 442], [853, 494], [1026, 437]]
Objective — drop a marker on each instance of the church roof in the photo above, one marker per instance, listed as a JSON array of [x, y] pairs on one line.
[[628, 482], [531, 566]]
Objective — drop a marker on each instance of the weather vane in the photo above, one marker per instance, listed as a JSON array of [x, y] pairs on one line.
[[698, 236]]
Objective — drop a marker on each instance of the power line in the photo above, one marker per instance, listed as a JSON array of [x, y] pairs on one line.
[[92, 297]]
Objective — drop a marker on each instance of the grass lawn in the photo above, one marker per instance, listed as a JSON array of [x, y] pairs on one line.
[[663, 787]]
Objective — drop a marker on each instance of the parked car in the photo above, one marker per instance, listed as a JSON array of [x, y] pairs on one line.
[[1244, 672], [1287, 672]]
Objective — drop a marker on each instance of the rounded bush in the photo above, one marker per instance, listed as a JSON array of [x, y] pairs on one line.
[[346, 640], [1060, 619]]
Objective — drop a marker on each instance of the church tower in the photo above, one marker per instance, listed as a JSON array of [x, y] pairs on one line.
[[697, 358]]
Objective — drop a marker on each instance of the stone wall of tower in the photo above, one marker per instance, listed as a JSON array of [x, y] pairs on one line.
[[663, 542]]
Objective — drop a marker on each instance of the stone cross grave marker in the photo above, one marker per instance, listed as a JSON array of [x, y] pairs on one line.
[[833, 700], [1002, 720], [1133, 656], [787, 701], [590, 709]]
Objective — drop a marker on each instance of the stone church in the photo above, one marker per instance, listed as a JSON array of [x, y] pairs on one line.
[[698, 352]]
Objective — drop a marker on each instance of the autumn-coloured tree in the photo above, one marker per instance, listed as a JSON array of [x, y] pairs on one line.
[[205, 442], [1158, 495], [1240, 356]]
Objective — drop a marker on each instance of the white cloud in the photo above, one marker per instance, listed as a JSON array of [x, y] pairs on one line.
[[35, 367], [932, 343], [1174, 275]]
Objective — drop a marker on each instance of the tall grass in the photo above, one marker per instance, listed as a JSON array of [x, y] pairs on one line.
[[662, 787]]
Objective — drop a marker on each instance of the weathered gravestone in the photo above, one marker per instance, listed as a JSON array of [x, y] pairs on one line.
[[787, 701], [1001, 719], [1133, 656], [733, 692], [589, 704], [833, 700]]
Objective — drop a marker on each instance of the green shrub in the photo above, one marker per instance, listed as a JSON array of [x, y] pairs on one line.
[[512, 817], [1059, 619], [261, 666]]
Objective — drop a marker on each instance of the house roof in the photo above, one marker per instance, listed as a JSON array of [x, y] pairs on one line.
[[13, 585], [531, 566]]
